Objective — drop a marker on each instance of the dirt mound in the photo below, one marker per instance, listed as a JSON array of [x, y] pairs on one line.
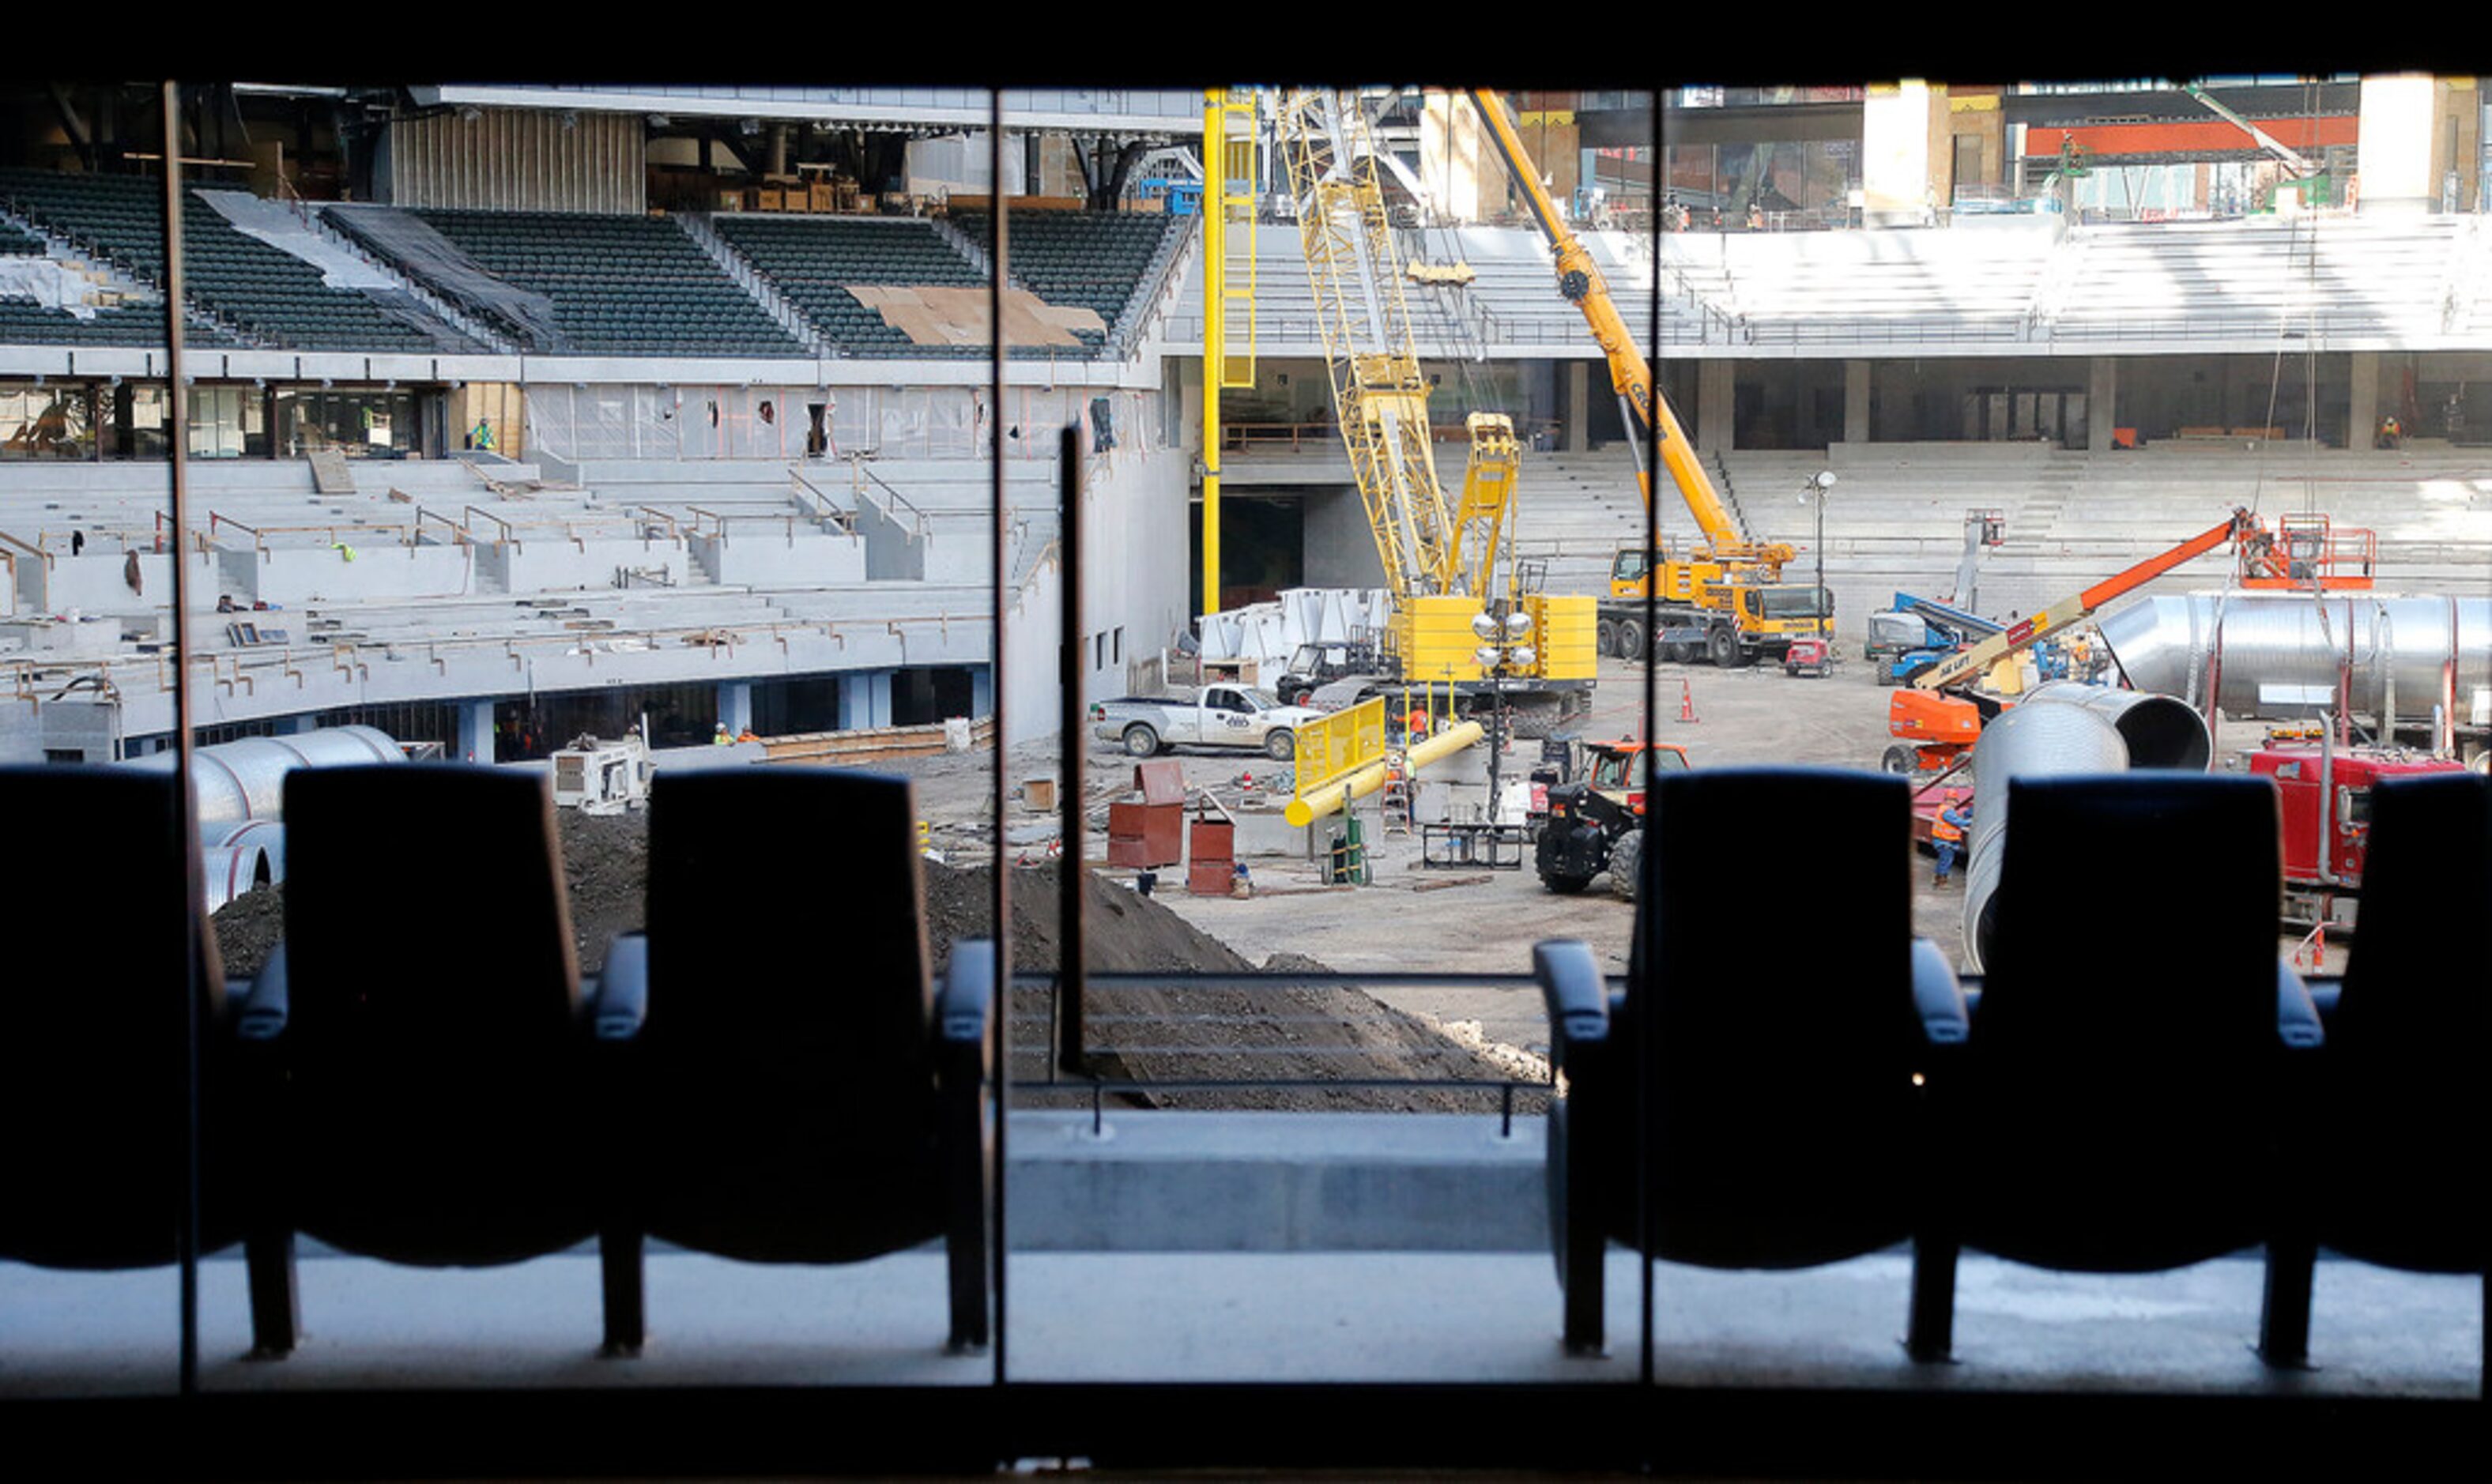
[[1298, 1036]]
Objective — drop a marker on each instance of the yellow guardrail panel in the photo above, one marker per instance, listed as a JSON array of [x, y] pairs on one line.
[[1340, 745]]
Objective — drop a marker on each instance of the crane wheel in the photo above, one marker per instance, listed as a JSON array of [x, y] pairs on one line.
[[1723, 646], [1605, 636], [1631, 641], [1566, 885]]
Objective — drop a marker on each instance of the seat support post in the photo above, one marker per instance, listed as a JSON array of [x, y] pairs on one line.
[[1932, 1336]]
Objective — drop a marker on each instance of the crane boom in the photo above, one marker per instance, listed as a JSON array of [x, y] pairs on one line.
[[1378, 394], [2241, 524], [1580, 281]]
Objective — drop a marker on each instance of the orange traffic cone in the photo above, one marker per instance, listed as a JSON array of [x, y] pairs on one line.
[[1687, 703]]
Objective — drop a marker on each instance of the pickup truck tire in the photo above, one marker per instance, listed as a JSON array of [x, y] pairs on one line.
[[1281, 745], [1140, 741]]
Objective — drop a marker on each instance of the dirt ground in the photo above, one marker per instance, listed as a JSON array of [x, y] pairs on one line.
[[1297, 1034]]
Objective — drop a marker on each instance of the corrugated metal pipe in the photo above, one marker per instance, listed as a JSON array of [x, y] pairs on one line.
[[2284, 655], [2063, 728]]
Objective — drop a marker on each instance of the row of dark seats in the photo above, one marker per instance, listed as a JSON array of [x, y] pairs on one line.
[[2138, 1084], [412, 1074], [407, 1087]]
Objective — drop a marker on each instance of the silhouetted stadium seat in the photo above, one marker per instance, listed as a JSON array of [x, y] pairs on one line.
[[2120, 1120], [439, 1101], [1781, 1106], [2390, 1136], [830, 1108]]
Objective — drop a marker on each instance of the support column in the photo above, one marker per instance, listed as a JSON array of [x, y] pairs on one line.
[[1578, 402], [878, 698], [982, 690], [2102, 402], [1716, 405], [856, 702], [736, 706], [1855, 401], [2363, 413], [474, 742]]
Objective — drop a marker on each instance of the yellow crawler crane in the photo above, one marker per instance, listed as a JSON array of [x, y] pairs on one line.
[[1445, 563]]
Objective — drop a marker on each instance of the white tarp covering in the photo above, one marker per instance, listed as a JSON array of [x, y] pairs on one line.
[[276, 224], [54, 285]]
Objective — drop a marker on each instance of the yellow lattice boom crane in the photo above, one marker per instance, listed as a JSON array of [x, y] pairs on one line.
[[1446, 561]]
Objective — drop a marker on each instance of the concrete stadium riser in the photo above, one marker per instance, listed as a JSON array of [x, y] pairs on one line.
[[553, 563], [96, 583]]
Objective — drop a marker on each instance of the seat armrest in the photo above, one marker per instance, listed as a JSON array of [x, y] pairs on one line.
[[1576, 1000], [263, 1013], [963, 1004], [2297, 1018], [1938, 999], [620, 1003]]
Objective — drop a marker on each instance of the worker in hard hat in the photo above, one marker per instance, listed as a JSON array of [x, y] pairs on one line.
[[720, 737], [1947, 837]]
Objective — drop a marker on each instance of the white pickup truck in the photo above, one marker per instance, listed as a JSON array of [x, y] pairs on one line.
[[1222, 715]]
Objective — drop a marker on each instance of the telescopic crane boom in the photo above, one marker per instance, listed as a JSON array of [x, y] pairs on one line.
[[1647, 416]]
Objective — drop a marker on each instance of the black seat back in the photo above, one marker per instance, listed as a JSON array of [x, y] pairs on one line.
[[2125, 1054], [94, 1035], [437, 1102], [787, 1059], [2406, 1049], [1773, 954]]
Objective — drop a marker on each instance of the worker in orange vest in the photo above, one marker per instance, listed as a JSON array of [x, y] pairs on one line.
[[1947, 837]]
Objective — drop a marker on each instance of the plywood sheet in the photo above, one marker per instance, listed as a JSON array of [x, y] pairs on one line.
[[958, 316]]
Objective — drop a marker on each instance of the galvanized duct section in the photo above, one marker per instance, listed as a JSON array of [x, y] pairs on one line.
[[2063, 728], [2282, 655], [2159, 731], [237, 781], [520, 160], [231, 871], [2034, 739]]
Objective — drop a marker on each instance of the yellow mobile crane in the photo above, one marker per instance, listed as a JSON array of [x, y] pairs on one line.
[[1726, 599], [1448, 565]]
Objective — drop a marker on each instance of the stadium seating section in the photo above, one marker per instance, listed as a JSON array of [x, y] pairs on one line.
[[620, 286], [268, 294]]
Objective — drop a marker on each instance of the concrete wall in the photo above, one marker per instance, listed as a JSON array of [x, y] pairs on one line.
[[292, 574], [1340, 547], [553, 564], [758, 557], [96, 583]]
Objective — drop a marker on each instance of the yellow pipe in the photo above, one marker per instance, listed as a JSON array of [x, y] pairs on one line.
[[1443, 744], [1334, 797], [1214, 211]]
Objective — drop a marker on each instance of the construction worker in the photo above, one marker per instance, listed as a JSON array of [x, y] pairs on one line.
[[1947, 837], [721, 738]]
